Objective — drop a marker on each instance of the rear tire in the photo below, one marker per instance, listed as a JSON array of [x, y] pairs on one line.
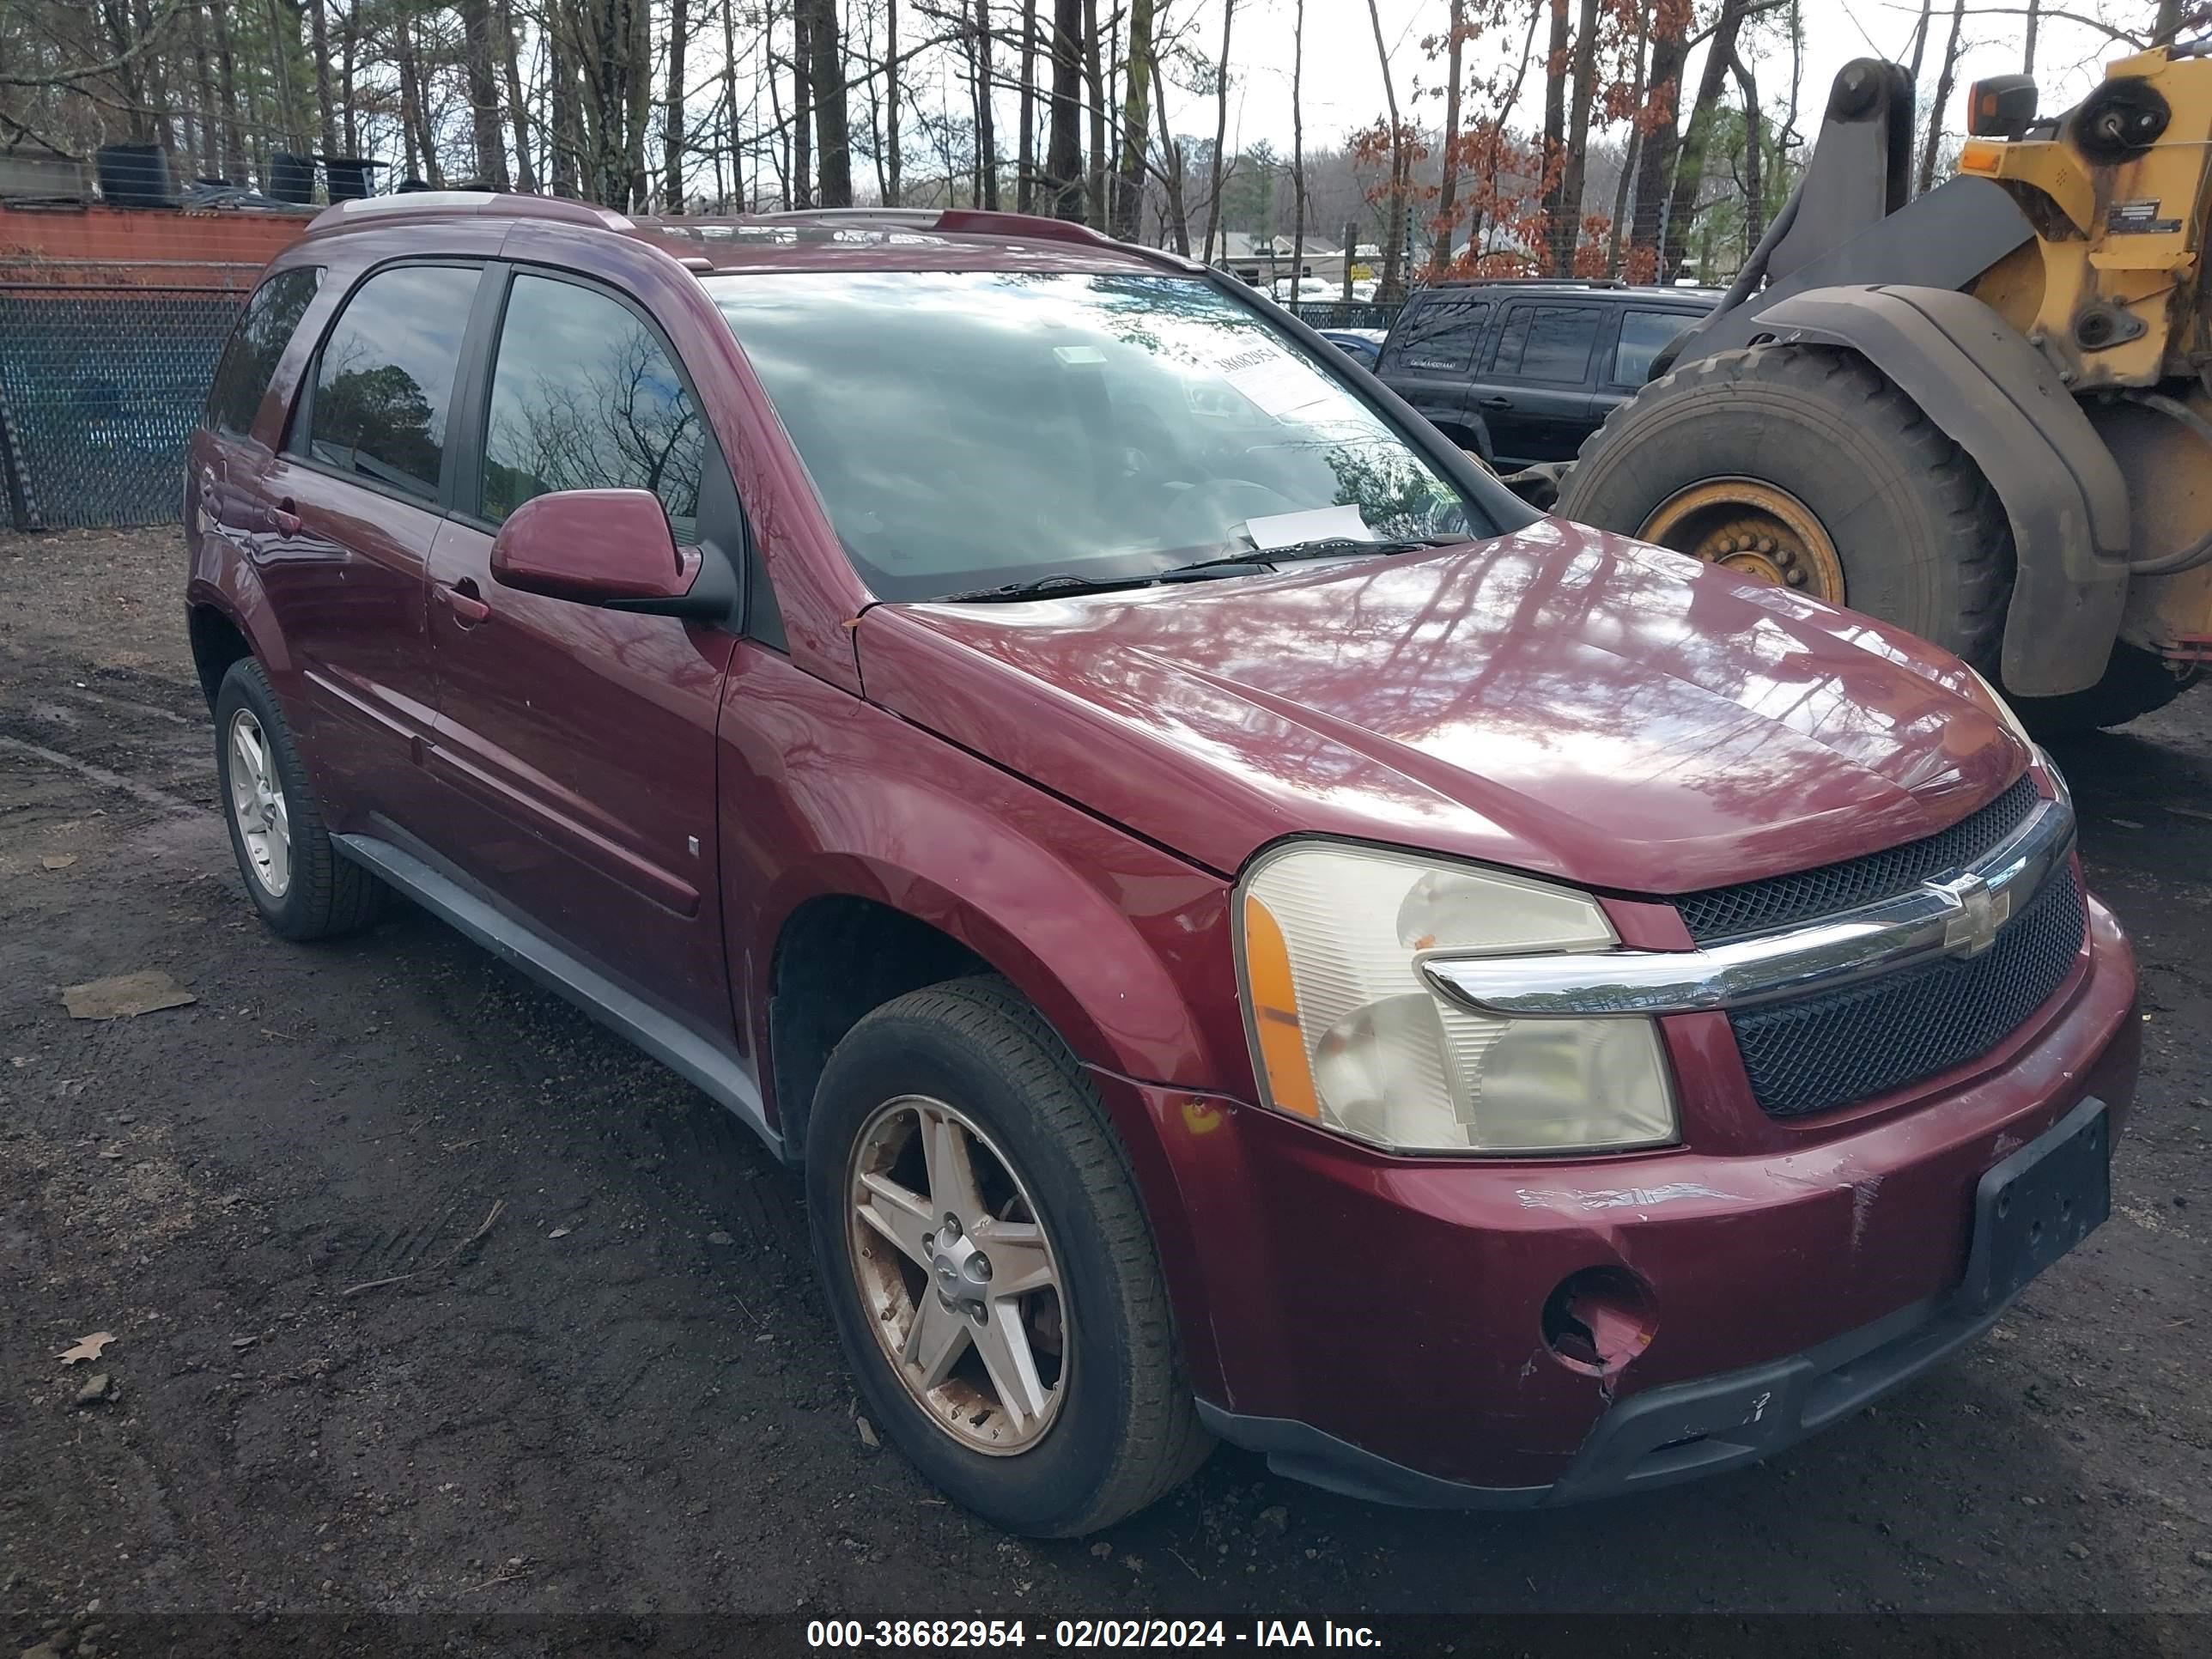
[[1920, 538], [319, 893], [1120, 1429]]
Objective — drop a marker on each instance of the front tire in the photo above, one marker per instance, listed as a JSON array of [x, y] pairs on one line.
[[298, 881], [990, 1268], [1806, 465]]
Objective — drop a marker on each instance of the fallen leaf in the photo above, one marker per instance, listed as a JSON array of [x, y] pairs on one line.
[[867, 1433], [560, 1232], [125, 996], [59, 860], [89, 1348]]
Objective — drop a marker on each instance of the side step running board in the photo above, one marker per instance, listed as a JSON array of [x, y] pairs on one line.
[[676, 1047]]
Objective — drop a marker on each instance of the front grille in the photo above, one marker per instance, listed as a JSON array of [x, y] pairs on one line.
[[1854, 1044], [1754, 907]]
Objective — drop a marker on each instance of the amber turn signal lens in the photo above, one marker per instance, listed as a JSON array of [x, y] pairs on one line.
[[1275, 1023]]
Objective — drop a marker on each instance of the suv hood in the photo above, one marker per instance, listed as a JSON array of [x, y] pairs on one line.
[[1560, 700]]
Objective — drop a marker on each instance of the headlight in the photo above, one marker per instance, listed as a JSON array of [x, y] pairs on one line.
[[2003, 710], [1347, 1034], [2013, 723]]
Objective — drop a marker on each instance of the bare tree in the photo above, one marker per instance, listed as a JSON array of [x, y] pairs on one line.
[[1394, 224], [1025, 152], [1220, 130], [1298, 145], [892, 188], [1943, 78]]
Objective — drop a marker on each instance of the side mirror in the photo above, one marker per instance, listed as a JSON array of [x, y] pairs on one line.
[[611, 547]]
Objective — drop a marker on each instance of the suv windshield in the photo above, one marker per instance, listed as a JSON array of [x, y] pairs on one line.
[[969, 428]]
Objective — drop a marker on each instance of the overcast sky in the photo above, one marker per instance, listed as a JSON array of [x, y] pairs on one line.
[[1344, 83]]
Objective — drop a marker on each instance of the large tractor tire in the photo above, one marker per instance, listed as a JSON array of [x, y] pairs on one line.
[[1805, 465]]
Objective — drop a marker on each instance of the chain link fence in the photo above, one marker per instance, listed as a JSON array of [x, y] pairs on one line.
[[99, 389], [1347, 313]]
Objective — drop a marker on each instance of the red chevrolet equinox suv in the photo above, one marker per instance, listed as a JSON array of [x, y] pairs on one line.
[[1247, 931]]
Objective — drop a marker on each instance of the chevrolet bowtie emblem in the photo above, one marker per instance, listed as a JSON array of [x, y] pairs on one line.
[[1977, 913]]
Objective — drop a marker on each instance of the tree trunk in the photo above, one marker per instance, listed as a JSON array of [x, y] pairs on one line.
[[1754, 189], [2028, 52], [1689, 163], [211, 132], [225, 59], [986, 142], [1220, 132], [350, 110], [1025, 151], [411, 101], [562, 150], [638, 104], [292, 129], [1558, 238], [892, 108], [1298, 143], [1095, 81], [318, 30], [1919, 45], [1176, 214], [510, 69], [732, 139], [802, 103], [1655, 159], [827, 46], [1136, 119], [483, 93], [1622, 201], [671, 115], [1394, 224], [1942, 99], [1063, 161], [1577, 163], [1447, 186]]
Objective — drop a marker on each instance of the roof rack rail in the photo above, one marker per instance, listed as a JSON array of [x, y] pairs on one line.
[[485, 204], [1530, 282]]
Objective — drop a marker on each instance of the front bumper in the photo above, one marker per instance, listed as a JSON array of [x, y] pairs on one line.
[[1683, 1429], [1373, 1324]]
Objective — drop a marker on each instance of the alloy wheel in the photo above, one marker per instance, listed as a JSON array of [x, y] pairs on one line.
[[957, 1275], [257, 804]]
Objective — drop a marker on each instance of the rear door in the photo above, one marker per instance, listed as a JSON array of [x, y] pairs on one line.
[[353, 505], [575, 743], [1430, 353], [1536, 393]]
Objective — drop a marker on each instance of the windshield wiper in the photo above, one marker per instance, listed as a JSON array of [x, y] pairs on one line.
[[1326, 547], [1041, 587]]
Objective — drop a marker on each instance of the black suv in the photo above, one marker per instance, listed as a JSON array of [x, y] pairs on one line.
[[1523, 370]]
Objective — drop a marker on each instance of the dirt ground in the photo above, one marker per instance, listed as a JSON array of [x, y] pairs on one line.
[[626, 1396]]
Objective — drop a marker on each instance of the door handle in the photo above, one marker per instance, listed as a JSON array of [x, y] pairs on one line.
[[1497, 403], [461, 600]]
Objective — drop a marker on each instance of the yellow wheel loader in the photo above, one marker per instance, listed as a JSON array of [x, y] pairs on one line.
[[1984, 413]]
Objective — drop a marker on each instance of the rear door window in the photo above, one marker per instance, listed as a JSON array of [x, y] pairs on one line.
[[1549, 342], [249, 359], [585, 396], [1441, 337], [1644, 336], [384, 382]]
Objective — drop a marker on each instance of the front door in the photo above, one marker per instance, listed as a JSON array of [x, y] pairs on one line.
[[576, 743], [1430, 356]]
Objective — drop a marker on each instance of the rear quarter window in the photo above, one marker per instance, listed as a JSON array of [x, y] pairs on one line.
[[250, 357], [1644, 336], [1440, 337]]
